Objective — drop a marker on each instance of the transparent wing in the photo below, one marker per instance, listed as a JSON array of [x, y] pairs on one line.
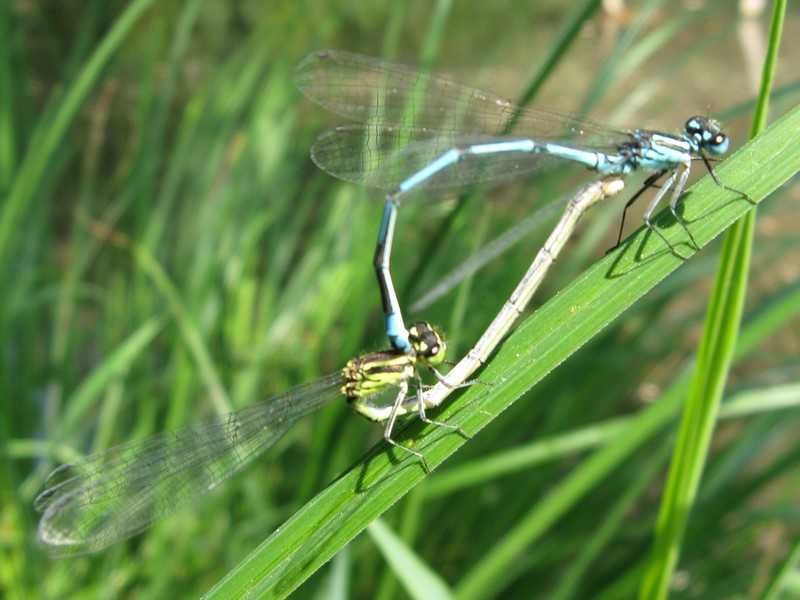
[[371, 90], [488, 253], [107, 497], [383, 157]]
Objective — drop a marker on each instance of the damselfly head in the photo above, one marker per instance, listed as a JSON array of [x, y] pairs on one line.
[[707, 135], [428, 343]]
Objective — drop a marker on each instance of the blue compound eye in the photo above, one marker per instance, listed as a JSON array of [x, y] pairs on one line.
[[708, 135], [718, 144]]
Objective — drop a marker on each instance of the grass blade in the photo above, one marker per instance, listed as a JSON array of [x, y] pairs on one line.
[[599, 295]]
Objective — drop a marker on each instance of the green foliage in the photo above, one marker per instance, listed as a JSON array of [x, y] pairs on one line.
[[169, 250]]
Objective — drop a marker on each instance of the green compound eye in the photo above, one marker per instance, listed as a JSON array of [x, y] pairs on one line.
[[428, 343]]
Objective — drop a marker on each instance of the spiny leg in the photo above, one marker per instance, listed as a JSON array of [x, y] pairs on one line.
[[673, 202], [651, 208], [421, 406], [387, 432], [649, 182], [719, 183]]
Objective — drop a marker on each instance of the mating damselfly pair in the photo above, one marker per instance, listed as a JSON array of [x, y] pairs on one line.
[[415, 132]]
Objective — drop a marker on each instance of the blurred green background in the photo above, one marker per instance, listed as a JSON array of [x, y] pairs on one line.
[[168, 250]]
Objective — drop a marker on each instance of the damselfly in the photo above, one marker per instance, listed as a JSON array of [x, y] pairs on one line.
[[420, 131], [107, 497]]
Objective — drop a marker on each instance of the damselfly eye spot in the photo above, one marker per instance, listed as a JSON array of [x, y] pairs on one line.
[[718, 144]]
